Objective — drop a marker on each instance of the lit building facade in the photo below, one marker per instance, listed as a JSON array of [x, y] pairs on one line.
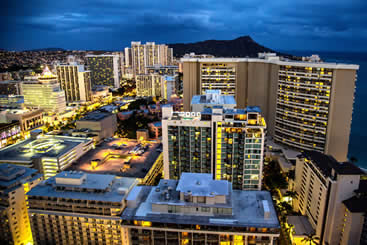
[[169, 70], [75, 81], [199, 210], [15, 181], [105, 70], [45, 93], [168, 87], [11, 102], [140, 56], [326, 194], [79, 208], [149, 85], [28, 119], [9, 133], [307, 105], [227, 143], [49, 154]]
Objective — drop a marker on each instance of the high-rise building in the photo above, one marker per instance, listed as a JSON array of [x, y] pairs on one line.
[[75, 81], [227, 143], [105, 69], [326, 194], [140, 56], [10, 87], [45, 93], [79, 208], [199, 210], [307, 105], [49, 154], [149, 85], [15, 181], [168, 87]]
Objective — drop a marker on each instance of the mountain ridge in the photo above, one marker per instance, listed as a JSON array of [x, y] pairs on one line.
[[243, 46]]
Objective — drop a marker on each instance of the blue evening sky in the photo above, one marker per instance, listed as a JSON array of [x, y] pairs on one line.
[[111, 24]]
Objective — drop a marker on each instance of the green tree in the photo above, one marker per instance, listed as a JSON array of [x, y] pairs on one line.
[[311, 239]]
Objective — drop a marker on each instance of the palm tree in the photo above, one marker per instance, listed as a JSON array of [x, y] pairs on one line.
[[311, 239]]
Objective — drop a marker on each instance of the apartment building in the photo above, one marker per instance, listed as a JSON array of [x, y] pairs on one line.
[[198, 210], [75, 81], [15, 181], [105, 69], [169, 70], [307, 105], [10, 87], [11, 102], [79, 208], [227, 143], [168, 87], [48, 154], [45, 93], [149, 85], [326, 195], [140, 56]]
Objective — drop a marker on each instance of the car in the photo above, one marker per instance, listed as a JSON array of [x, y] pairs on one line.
[[124, 145]]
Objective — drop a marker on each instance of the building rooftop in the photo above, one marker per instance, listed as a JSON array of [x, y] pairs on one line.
[[275, 61], [85, 186], [169, 78], [95, 116], [47, 146], [249, 208], [12, 176], [327, 163], [213, 97], [356, 204], [202, 185]]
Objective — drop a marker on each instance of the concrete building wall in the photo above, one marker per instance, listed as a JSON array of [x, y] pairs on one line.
[[343, 189], [340, 116], [353, 228]]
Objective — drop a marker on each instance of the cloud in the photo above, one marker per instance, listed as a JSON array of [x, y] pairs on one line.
[[185, 21]]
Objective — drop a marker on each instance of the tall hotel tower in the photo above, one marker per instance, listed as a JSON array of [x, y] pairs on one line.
[[227, 143], [45, 93], [75, 81], [105, 69], [307, 105], [140, 56]]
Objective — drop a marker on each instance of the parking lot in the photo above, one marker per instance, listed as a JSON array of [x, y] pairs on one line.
[[138, 166]]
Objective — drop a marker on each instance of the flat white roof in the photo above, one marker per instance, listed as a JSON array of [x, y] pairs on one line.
[[278, 62]]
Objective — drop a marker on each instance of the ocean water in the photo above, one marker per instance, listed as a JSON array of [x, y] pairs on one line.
[[358, 136]]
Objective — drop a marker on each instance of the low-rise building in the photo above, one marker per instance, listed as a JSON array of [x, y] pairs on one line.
[[199, 210], [79, 208], [28, 119], [9, 133], [104, 124], [49, 154], [155, 129], [15, 181]]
